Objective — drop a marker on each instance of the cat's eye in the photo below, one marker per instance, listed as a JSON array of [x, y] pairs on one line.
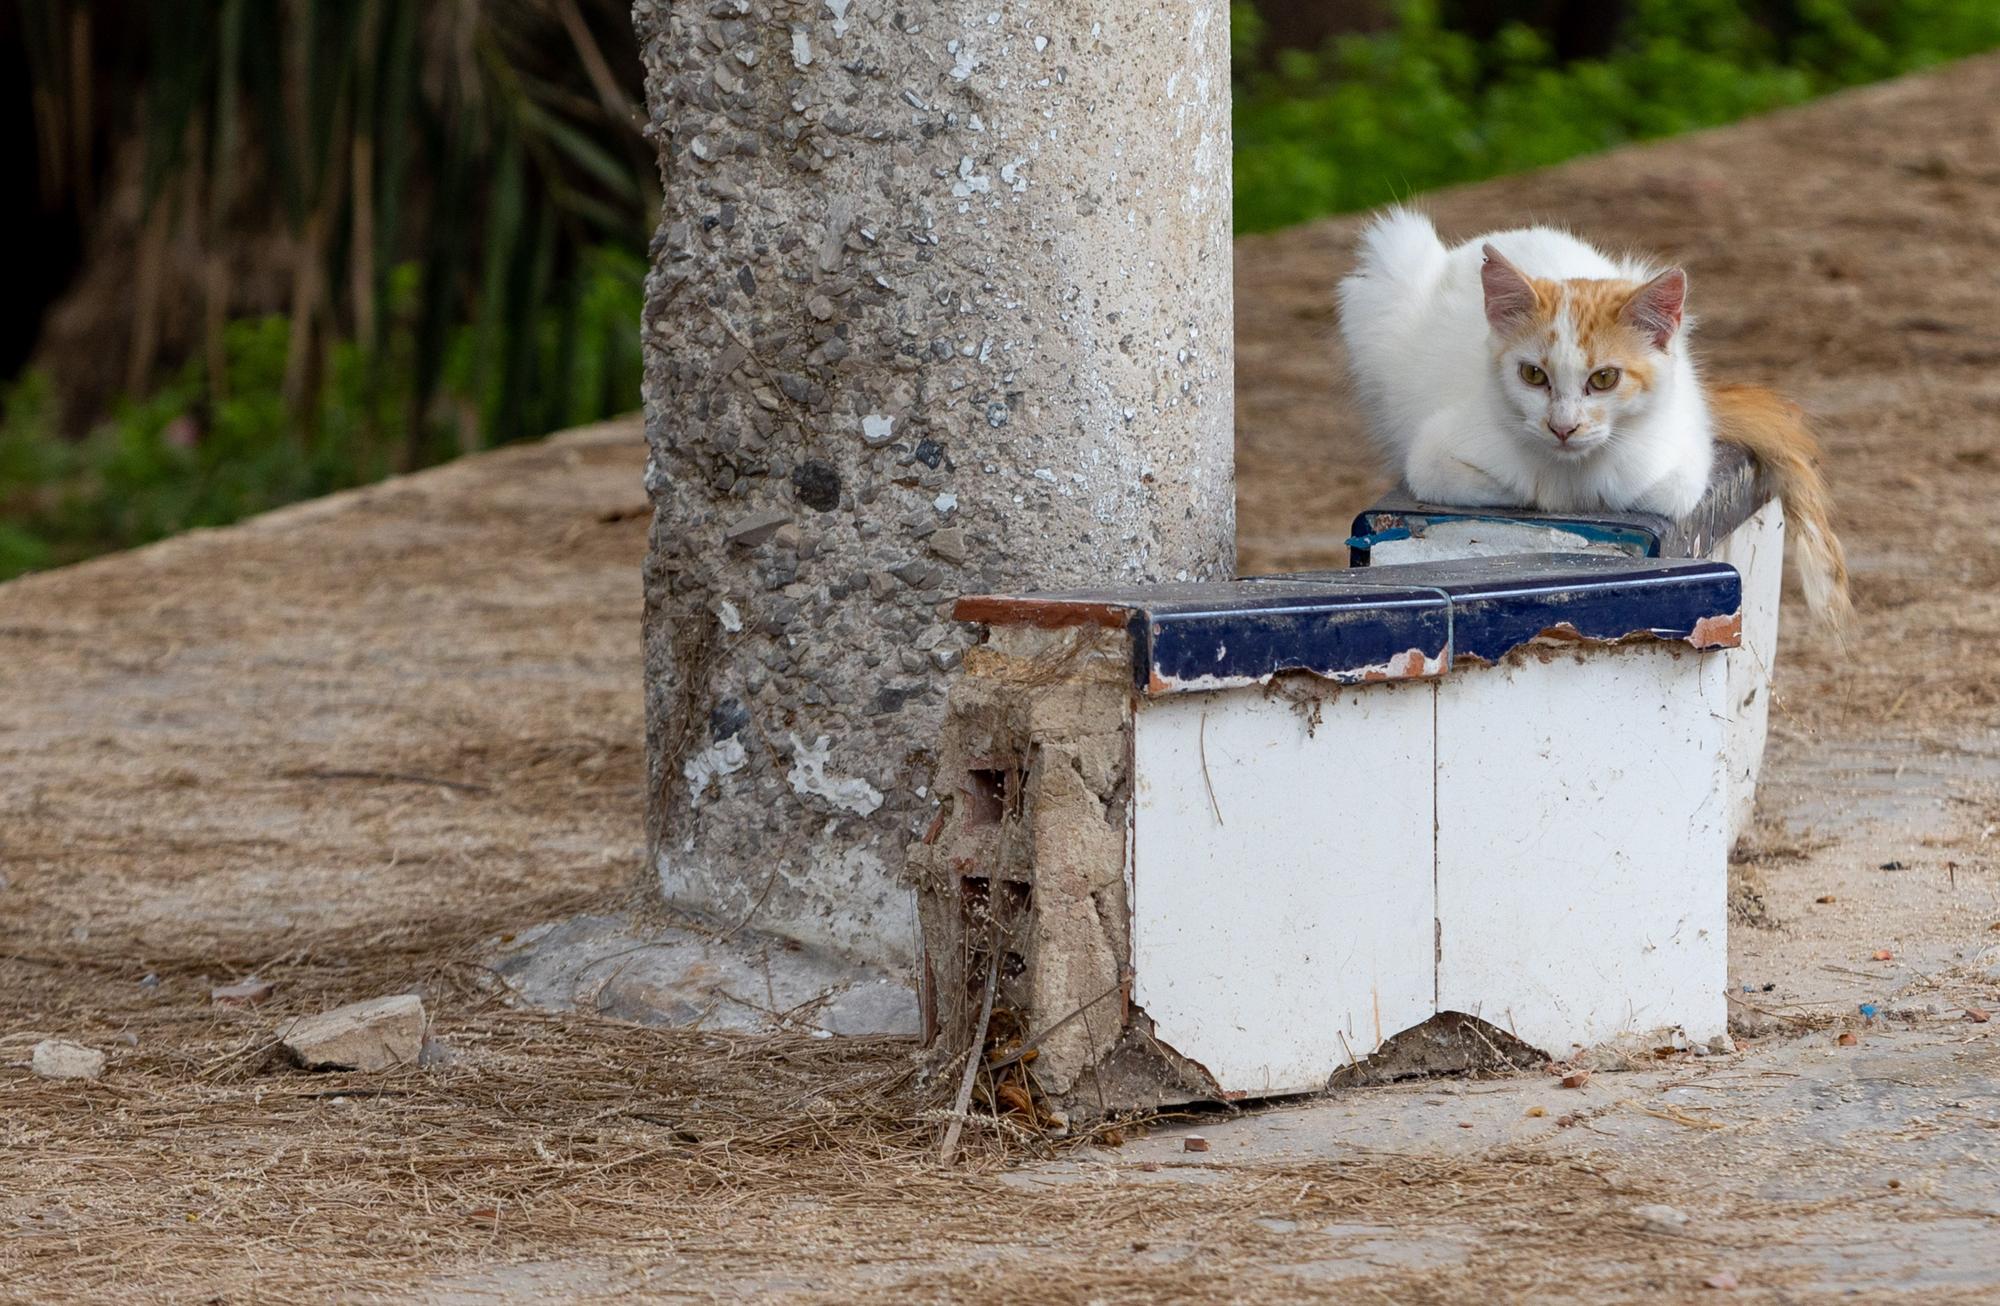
[[1533, 375], [1604, 378]]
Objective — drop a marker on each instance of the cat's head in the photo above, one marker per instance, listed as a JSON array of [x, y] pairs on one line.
[[1577, 359]]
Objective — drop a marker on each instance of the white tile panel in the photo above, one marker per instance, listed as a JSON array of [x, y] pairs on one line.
[[1582, 845], [1282, 896]]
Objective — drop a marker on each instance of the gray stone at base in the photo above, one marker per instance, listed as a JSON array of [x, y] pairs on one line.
[[677, 976]]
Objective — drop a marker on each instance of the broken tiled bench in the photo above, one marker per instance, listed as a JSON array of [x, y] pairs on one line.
[[1737, 522], [1222, 840]]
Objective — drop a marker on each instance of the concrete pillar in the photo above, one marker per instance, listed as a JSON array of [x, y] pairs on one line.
[[940, 303]]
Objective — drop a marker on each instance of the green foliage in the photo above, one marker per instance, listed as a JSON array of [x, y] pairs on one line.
[[193, 454], [1375, 117], [461, 190]]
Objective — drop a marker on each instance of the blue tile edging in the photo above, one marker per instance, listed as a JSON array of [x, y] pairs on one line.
[[1737, 488], [1400, 622]]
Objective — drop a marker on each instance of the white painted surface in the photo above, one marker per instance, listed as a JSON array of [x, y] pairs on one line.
[[1757, 550], [1282, 926], [1445, 540], [1582, 845], [1541, 844]]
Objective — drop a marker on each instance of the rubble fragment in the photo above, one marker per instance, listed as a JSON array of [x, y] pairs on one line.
[[380, 1034], [58, 1058]]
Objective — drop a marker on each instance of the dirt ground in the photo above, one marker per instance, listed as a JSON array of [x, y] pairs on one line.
[[353, 746]]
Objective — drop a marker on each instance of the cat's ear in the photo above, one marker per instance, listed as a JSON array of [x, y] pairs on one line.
[[1654, 310], [1510, 297]]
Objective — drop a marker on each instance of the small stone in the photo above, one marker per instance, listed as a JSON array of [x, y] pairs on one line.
[[1656, 1218], [247, 992], [750, 531], [727, 719], [820, 307], [58, 1058], [1576, 1079], [1978, 1015], [913, 573], [877, 430], [379, 1034], [149, 981], [1721, 1045], [1194, 1143], [948, 544], [1723, 1280], [1847, 1040], [817, 484], [784, 569]]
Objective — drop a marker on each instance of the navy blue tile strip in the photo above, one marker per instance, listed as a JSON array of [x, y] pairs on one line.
[[1492, 620], [1390, 622], [1358, 638]]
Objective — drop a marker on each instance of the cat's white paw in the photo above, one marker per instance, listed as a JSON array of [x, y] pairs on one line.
[[1455, 483]]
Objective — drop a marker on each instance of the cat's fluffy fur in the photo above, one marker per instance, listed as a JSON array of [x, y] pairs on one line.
[[1441, 379], [1526, 368]]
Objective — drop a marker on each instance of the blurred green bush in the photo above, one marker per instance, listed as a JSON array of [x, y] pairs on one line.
[[191, 453], [324, 240], [1376, 117]]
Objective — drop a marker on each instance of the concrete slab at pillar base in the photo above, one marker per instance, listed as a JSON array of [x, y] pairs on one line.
[[653, 973]]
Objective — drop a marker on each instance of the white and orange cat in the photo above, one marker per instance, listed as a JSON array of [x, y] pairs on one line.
[[1527, 369]]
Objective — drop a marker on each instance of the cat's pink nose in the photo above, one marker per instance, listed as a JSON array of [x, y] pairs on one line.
[[1562, 433]]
